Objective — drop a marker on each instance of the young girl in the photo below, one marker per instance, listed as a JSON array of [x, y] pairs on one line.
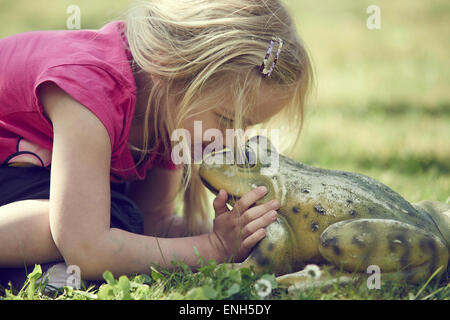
[[86, 116]]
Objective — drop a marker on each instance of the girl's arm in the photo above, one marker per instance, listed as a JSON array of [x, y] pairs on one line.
[[155, 196], [25, 236], [80, 199], [80, 204]]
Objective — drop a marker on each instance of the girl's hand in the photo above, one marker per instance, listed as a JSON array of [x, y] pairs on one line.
[[235, 232]]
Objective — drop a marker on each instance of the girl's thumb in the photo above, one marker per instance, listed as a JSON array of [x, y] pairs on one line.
[[220, 202]]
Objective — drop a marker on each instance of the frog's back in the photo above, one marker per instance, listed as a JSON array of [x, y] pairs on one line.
[[341, 195]]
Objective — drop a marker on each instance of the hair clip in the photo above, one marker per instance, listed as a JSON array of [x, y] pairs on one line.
[[264, 69]]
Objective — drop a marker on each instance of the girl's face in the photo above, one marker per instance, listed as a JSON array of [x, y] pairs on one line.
[[269, 101]]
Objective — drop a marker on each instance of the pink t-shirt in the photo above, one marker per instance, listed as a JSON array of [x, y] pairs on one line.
[[92, 66]]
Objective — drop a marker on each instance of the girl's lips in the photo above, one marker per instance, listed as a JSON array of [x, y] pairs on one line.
[[215, 191]]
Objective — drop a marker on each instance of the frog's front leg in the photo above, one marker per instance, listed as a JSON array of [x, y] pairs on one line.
[[400, 250], [274, 253]]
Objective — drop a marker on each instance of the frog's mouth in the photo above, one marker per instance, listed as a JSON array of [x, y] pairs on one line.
[[231, 197]]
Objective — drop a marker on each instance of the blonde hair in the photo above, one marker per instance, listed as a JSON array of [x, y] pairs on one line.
[[190, 46]]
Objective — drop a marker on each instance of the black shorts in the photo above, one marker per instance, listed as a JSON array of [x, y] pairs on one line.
[[17, 184]]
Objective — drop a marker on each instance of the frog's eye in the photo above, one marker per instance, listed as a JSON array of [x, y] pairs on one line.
[[246, 158]]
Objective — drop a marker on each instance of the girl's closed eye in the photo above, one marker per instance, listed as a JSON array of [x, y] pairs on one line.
[[227, 122], [224, 121]]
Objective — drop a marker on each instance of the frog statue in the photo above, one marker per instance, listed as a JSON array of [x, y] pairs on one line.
[[344, 220]]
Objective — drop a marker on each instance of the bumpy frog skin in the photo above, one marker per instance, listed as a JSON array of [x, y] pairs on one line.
[[342, 219]]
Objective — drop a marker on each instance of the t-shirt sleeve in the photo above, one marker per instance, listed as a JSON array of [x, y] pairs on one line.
[[95, 89]]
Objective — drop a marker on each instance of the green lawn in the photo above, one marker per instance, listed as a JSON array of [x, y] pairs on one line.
[[381, 108], [382, 105]]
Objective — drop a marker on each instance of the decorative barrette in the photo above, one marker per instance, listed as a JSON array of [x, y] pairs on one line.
[[264, 68]]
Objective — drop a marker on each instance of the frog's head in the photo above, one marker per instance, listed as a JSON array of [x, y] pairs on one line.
[[243, 169]]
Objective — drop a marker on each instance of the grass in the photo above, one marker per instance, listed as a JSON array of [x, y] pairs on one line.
[[217, 282], [381, 108]]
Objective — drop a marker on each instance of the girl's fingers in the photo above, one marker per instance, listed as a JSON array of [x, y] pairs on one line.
[[253, 239], [248, 199], [258, 211], [259, 223], [220, 203]]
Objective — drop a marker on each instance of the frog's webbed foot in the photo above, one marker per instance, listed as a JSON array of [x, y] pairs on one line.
[[397, 248], [313, 276]]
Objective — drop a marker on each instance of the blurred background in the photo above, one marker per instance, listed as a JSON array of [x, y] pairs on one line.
[[382, 101]]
